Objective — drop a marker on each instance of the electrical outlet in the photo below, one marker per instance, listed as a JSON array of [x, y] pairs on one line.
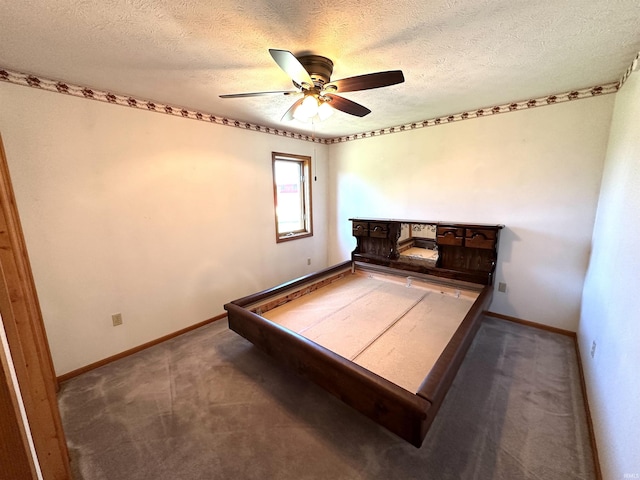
[[502, 287], [116, 318], [308, 261], [593, 349]]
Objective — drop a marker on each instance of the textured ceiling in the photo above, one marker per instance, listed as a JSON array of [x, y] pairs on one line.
[[456, 55]]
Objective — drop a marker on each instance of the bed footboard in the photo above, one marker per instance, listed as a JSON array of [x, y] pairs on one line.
[[396, 409]]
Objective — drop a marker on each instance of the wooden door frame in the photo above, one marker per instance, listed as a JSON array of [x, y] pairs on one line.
[[27, 340], [16, 460]]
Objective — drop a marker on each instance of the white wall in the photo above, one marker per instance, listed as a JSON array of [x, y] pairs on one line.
[[536, 171], [160, 218], [611, 299]]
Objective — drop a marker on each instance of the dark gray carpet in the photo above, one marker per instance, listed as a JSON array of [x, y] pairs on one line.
[[209, 405]]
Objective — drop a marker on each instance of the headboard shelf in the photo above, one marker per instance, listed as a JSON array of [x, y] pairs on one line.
[[460, 251]]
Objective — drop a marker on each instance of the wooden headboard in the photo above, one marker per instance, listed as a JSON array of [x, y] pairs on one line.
[[466, 251]]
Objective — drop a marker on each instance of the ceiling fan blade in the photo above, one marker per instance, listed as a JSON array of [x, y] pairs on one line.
[[366, 82], [347, 106], [288, 116], [259, 94], [292, 67]]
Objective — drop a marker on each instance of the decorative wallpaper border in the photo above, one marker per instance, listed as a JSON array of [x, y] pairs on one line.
[[129, 101], [487, 111], [632, 67]]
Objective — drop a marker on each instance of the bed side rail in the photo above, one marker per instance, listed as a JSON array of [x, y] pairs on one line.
[[256, 297], [435, 386]]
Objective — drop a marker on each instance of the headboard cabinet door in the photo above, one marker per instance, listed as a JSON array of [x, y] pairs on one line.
[[378, 230], [480, 238], [360, 229], [449, 235]]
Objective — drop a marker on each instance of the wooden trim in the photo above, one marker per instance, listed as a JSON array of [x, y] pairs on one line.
[[592, 433], [529, 323], [27, 339], [16, 460], [139, 348]]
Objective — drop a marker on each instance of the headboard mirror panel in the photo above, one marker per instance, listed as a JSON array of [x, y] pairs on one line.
[[417, 243]]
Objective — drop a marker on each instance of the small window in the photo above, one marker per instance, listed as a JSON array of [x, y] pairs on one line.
[[292, 196]]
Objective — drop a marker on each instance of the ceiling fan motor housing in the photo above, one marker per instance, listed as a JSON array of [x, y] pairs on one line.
[[319, 68]]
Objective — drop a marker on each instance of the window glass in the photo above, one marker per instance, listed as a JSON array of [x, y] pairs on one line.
[[292, 196]]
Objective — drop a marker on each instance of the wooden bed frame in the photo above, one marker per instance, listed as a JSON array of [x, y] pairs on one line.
[[467, 254]]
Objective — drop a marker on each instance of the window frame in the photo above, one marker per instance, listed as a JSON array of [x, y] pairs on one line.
[[305, 165]]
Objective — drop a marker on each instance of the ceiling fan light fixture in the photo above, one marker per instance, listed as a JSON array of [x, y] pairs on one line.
[[310, 105], [324, 110], [307, 109]]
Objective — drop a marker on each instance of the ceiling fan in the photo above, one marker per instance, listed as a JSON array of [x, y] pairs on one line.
[[311, 75]]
